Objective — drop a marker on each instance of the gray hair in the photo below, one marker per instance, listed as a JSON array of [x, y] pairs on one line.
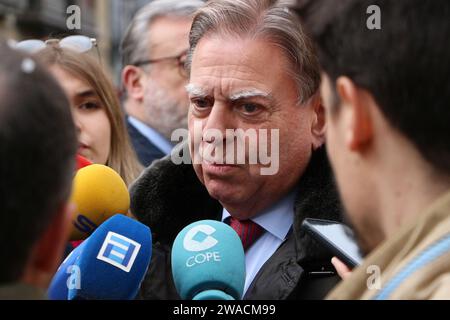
[[271, 20], [135, 44]]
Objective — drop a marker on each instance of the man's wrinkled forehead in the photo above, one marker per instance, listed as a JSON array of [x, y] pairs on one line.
[[238, 69]]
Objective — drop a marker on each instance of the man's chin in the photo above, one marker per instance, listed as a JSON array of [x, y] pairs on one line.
[[222, 191]]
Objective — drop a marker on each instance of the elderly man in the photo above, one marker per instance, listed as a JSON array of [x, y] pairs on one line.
[[251, 68], [154, 51], [387, 97]]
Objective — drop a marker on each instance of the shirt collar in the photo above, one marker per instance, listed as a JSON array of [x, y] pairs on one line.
[[277, 219], [151, 134]]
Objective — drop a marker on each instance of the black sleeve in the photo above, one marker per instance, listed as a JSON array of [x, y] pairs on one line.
[[158, 282]]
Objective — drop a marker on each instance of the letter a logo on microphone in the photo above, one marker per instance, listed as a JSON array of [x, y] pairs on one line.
[[199, 238]]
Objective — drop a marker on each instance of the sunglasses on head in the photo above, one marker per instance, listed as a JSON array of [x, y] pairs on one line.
[[76, 43]]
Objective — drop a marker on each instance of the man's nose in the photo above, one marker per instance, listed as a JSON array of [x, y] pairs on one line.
[[219, 120]]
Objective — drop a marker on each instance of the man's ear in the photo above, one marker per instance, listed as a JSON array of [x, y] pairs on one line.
[[355, 108], [133, 81], [318, 124], [48, 251]]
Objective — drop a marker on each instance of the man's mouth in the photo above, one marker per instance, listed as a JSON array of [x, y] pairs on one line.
[[215, 167]]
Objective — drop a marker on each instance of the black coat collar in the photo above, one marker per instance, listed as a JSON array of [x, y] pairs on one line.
[[168, 197]]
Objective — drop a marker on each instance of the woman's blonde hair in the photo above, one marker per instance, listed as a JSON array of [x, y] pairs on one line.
[[122, 157]]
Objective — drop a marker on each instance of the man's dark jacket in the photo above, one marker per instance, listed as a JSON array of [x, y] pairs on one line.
[[168, 197], [146, 151]]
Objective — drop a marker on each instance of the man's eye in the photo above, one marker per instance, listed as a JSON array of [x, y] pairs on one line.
[[249, 108], [201, 103]]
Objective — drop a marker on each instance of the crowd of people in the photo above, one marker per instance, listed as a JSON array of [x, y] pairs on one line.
[[356, 117]]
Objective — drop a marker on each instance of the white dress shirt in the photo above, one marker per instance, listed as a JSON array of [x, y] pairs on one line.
[[277, 220], [152, 135]]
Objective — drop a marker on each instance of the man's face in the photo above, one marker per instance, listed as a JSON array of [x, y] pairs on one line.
[[243, 84], [352, 172], [165, 96]]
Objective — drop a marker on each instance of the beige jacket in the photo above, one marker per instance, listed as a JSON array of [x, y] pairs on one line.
[[428, 239], [20, 291]]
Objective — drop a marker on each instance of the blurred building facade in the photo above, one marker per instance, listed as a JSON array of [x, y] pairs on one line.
[[105, 20]]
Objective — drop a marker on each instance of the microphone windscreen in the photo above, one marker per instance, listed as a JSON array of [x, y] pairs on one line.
[[208, 262], [98, 193], [114, 261]]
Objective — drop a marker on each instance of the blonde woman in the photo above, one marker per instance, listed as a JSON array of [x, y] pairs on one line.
[[99, 119]]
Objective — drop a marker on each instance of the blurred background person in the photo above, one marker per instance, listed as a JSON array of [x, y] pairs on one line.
[[37, 145], [104, 20], [98, 117], [386, 94], [154, 52]]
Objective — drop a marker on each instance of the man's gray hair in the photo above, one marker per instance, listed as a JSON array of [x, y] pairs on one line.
[[135, 44], [271, 20]]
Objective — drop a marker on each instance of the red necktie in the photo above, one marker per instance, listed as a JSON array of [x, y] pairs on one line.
[[247, 230]]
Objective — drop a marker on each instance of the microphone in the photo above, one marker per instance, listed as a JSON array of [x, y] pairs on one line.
[[208, 262], [113, 261], [67, 275], [98, 193]]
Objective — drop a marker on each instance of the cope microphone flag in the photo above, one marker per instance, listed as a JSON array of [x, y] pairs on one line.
[[208, 262]]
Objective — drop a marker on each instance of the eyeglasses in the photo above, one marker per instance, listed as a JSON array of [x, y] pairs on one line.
[[180, 59], [76, 43]]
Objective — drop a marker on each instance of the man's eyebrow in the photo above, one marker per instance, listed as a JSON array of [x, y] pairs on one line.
[[250, 93], [195, 91]]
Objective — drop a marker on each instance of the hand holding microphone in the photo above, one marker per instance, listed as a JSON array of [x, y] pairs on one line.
[[208, 262]]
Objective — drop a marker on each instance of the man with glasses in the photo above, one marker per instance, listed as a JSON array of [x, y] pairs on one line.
[[154, 51]]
